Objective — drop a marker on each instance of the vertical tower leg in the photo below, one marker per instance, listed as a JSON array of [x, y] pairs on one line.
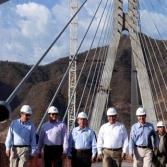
[[102, 95], [139, 62], [134, 93], [139, 70]]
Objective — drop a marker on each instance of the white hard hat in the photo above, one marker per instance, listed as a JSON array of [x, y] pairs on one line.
[[53, 110], [111, 111], [26, 109], [140, 111], [82, 115], [160, 124]]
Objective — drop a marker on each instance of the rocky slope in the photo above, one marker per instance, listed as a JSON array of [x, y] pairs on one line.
[[40, 87]]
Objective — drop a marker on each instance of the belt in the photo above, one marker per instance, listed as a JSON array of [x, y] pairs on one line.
[[83, 150], [53, 145], [21, 146], [141, 146], [114, 149]]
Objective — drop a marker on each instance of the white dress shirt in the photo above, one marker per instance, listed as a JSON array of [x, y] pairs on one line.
[[112, 136]]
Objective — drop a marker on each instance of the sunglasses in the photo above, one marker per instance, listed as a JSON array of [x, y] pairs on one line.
[[111, 115], [53, 113], [27, 115], [141, 115]]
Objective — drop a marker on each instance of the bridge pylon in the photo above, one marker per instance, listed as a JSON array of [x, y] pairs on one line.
[[139, 76]]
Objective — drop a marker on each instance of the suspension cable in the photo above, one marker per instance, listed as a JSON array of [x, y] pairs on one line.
[[92, 60], [154, 73], [154, 38], [144, 50], [144, 44], [85, 60], [102, 60], [165, 46], [100, 69], [12, 95], [138, 43], [96, 68], [159, 71], [98, 59], [65, 74]]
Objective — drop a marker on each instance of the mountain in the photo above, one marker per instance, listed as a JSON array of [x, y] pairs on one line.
[[41, 86]]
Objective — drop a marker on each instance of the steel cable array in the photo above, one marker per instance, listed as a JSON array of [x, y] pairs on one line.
[[85, 64], [65, 74], [146, 41]]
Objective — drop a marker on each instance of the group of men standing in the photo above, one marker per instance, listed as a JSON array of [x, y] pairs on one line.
[[146, 147]]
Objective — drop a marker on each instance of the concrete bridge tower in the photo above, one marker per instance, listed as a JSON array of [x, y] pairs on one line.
[[139, 76]]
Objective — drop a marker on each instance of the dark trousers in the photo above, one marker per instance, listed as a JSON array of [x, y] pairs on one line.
[[53, 156], [81, 158], [159, 160]]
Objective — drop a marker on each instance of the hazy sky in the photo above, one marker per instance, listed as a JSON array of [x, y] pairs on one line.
[[28, 27]]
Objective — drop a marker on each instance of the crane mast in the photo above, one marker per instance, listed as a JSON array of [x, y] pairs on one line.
[[73, 5]]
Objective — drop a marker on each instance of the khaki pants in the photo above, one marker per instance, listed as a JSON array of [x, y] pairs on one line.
[[19, 156], [142, 157], [112, 158]]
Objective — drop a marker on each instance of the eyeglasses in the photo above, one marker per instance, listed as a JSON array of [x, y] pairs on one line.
[[111, 115], [141, 116], [160, 127], [53, 114], [27, 115]]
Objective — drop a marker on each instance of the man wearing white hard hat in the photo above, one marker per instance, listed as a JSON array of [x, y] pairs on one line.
[[160, 155], [82, 143], [53, 140], [112, 143], [142, 140], [21, 140]]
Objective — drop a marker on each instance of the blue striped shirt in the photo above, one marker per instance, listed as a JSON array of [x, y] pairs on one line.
[[83, 139], [142, 135], [20, 133]]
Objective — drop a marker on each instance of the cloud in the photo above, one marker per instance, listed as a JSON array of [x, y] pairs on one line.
[[33, 19], [28, 28], [153, 18], [84, 20], [148, 22], [61, 12]]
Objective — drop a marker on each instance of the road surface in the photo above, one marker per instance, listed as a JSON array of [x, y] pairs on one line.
[[125, 164]]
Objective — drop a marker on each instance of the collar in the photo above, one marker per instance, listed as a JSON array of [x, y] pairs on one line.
[[108, 124], [55, 122], [19, 120], [140, 125], [81, 129], [161, 135]]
